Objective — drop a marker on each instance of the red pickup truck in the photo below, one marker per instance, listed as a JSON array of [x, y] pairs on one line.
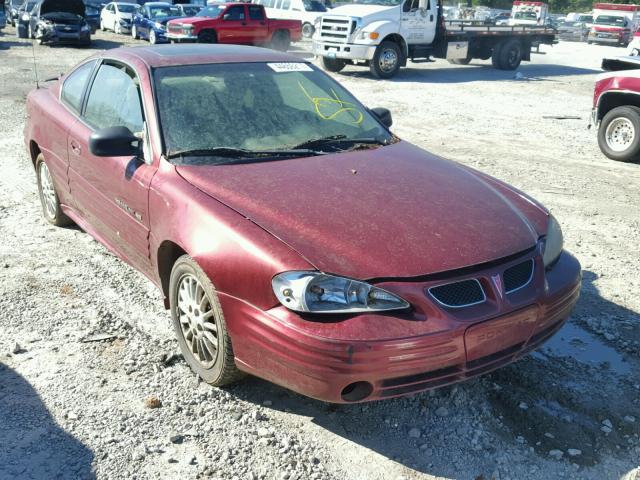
[[238, 23]]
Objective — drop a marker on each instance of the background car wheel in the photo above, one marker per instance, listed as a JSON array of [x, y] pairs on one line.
[[152, 37], [333, 64], [386, 60], [199, 324], [48, 196], [281, 41], [134, 31], [207, 36], [308, 30], [619, 134]]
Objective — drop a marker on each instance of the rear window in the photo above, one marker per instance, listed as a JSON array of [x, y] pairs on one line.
[[74, 85]]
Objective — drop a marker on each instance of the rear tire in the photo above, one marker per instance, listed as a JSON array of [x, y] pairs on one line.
[[207, 36], [200, 325], [334, 65], [386, 60], [51, 209], [619, 134], [509, 55], [280, 41]]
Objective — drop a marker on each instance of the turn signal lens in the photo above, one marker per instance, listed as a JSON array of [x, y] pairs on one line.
[[374, 35]]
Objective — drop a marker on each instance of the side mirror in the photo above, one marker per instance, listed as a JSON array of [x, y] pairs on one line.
[[114, 142], [384, 115]]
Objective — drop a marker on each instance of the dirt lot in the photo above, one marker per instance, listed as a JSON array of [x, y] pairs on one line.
[[76, 409]]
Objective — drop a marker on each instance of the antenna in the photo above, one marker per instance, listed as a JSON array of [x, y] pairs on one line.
[[35, 65]]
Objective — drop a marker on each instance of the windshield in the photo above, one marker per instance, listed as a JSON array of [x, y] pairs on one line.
[[27, 7], [585, 18], [210, 12], [610, 20], [257, 106], [126, 8], [190, 10], [525, 16], [163, 11], [314, 6], [386, 3]]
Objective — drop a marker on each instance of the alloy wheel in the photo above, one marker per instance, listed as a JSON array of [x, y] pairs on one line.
[[48, 191], [388, 60], [152, 37], [620, 134], [197, 321]]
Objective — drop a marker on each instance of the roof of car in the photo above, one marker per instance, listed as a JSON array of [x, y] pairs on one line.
[[198, 53]]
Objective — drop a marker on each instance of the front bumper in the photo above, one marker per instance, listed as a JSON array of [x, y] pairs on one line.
[[181, 37], [403, 353], [347, 51], [607, 38]]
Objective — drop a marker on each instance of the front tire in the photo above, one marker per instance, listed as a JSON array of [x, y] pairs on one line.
[[134, 32], [152, 37], [199, 324], [207, 36], [386, 60], [48, 196], [508, 56], [334, 65], [619, 134]]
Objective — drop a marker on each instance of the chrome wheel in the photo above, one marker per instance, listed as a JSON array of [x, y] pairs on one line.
[[152, 37], [134, 31], [197, 321], [620, 134], [49, 199], [388, 60]]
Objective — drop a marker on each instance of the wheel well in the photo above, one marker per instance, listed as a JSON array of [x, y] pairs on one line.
[[396, 38], [207, 30], [34, 151], [168, 253], [609, 101]]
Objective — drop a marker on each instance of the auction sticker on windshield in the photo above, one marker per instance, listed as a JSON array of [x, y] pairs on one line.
[[290, 67]]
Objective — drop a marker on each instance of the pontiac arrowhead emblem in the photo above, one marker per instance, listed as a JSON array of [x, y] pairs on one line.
[[497, 282]]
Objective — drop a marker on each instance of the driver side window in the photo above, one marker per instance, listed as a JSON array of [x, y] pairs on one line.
[[114, 99], [235, 13], [411, 5]]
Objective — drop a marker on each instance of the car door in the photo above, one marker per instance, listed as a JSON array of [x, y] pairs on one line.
[[418, 21], [144, 23], [256, 24], [232, 28], [112, 192]]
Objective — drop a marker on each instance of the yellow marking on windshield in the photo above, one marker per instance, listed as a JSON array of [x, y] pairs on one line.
[[342, 106]]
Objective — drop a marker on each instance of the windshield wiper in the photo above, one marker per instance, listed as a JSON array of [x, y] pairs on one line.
[[241, 153], [340, 140]]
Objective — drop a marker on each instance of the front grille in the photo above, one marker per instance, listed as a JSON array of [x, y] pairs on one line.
[[335, 29], [175, 28], [518, 276], [459, 294]]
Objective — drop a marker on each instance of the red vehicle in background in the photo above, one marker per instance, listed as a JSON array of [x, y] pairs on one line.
[[614, 23], [237, 23]]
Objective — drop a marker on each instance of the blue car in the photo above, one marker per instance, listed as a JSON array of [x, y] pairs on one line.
[[150, 23]]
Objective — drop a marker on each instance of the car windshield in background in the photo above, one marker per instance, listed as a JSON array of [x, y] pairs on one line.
[[190, 10], [525, 16], [127, 8], [259, 107], [161, 12], [610, 20], [211, 11], [314, 6], [386, 3]]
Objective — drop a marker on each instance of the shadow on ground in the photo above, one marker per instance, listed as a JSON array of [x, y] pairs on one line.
[[32, 445], [540, 403], [477, 73]]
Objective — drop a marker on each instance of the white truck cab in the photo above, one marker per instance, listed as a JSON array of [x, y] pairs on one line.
[[528, 13]]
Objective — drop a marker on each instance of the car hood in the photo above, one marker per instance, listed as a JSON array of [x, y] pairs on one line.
[[165, 20], [395, 211], [75, 7], [190, 20]]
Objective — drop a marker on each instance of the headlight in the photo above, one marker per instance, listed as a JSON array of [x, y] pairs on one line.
[[553, 242], [317, 292], [25, 17], [159, 26]]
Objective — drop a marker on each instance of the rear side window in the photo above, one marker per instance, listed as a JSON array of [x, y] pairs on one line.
[[73, 86], [114, 100], [256, 12], [286, 4]]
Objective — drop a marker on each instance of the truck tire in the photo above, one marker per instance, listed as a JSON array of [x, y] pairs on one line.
[[333, 64], [460, 61], [619, 134], [308, 30], [281, 41], [207, 36], [510, 55], [386, 60]]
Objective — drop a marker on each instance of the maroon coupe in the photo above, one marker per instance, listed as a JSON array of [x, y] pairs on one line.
[[293, 235]]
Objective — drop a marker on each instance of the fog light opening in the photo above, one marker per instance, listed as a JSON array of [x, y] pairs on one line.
[[356, 391]]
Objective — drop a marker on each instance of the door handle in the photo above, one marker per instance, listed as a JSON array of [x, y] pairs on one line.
[[431, 18]]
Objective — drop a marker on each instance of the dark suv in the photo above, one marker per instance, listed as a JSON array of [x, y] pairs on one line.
[[54, 21]]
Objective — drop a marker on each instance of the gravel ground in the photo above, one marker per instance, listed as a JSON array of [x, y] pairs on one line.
[[73, 405]]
